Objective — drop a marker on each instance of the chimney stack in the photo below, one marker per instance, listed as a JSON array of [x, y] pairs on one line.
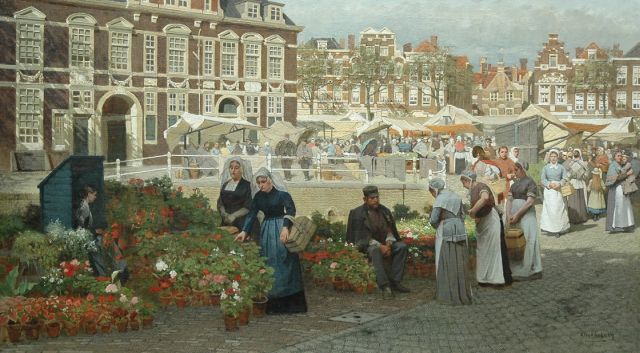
[[523, 64], [351, 41], [483, 64], [434, 41], [342, 43]]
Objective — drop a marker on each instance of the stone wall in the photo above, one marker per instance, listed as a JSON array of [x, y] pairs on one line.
[[17, 203]]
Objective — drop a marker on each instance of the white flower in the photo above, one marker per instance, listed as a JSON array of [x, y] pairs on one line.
[[111, 288], [173, 274], [123, 298], [51, 280], [235, 285], [223, 295], [237, 297], [161, 266], [135, 300], [232, 252]]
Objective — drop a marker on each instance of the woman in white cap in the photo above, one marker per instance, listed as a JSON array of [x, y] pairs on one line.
[[235, 192], [554, 218], [596, 204]]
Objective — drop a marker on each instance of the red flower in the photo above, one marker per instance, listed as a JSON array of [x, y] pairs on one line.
[[154, 289], [111, 298], [205, 271], [217, 237], [237, 278]]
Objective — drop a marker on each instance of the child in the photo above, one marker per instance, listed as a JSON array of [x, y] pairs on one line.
[[596, 204], [629, 184]]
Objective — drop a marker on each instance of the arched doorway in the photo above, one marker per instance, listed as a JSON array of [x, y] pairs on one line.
[[228, 106], [119, 126]]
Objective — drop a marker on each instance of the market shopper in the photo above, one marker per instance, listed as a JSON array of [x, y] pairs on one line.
[[372, 229], [236, 192], [287, 294], [596, 204], [578, 174], [619, 212], [452, 280], [554, 218], [286, 151]]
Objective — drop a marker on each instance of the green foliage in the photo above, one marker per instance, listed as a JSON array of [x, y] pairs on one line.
[[336, 231], [535, 169], [34, 250], [72, 243], [163, 184], [10, 226], [404, 212], [11, 288]]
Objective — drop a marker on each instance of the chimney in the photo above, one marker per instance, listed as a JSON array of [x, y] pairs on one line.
[[407, 48], [351, 41], [483, 64], [616, 52], [579, 51], [434, 41], [523, 64], [342, 43], [553, 37]]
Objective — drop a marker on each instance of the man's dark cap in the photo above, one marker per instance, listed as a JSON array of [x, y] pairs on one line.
[[370, 190]]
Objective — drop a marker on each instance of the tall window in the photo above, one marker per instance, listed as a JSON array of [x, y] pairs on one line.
[[150, 117], [81, 47], [252, 105], [275, 62], [276, 14], [493, 96], [150, 45], [82, 99], [635, 100], [120, 45], [207, 59], [621, 77], [543, 94], [413, 96], [274, 109], [508, 96], [252, 60], [57, 131], [426, 73], [253, 10], [636, 76], [30, 43], [207, 5], [561, 94], [176, 105], [579, 101], [208, 103], [591, 101], [426, 96], [355, 95], [29, 115], [177, 55], [398, 94], [383, 94], [621, 99], [384, 51], [229, 56], [604, 102], [337, 93], [553, 61]]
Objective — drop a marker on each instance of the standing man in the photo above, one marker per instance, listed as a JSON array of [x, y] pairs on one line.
[[305, 155], [286, 149], [372, 229]]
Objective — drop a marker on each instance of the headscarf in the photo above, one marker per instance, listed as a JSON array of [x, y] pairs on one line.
[[547, 159], [275, 178], [596, 179], [579, 153], [445, 199], [245, 166], [436, 184], [512, 155], [469, 175]]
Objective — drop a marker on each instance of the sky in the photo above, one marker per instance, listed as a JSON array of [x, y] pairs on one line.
[[497, 29]]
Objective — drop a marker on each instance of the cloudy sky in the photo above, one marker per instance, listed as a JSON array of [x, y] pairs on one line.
[[497, 29]]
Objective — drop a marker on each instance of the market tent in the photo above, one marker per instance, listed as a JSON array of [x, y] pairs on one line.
[[617, 130], [275, 133], [207, 128], [451, 115], [339, 126], [341, 129], [454, 129], [400, 126], [373, 126], [554, 132]]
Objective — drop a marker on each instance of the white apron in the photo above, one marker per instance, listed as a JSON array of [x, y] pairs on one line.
[[554, 217], [489, 257]]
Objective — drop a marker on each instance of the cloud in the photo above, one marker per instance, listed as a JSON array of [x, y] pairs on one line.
[[498, 29]]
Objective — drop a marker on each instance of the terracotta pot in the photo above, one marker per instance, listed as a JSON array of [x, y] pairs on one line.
[[122, 324], [243, 317], [371, 287], [340, 284], [31, 331], [215, 299], [181, 301], [72, 329], [91, 327], [165, 299], [53, 329], [135, 325], [15, 332], [198, 296], [230, 323], [260, 307], [105, 327], [359, 289], [147, 322]]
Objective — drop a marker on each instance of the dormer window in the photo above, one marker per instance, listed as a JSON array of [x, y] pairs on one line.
[[322, 44], [275, 14], [253, 10], [591, 54]]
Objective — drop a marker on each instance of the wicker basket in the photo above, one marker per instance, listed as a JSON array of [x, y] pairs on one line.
[[567, 190]]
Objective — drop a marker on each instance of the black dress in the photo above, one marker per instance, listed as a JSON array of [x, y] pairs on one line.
[[234, 200]]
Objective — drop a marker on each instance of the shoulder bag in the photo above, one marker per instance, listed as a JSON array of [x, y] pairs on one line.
[[300, 234]]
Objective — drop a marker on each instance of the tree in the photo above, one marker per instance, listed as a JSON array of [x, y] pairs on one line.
[[435, 69], [369, 70], [459, 84], [596, 76], [311, 76]]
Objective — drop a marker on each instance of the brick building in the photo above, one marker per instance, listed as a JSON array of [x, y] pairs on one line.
[[500, 90], [107, 77], [552, 75], [627, 89]]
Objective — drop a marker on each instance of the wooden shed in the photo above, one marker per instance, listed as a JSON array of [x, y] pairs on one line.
[[526, 134], [60, 191]]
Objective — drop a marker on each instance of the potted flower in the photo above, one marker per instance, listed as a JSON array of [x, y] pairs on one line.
[[105, 318], [147, 310], [231, 304]]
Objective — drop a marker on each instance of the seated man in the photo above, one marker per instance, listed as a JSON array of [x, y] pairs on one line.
[[372, 229]]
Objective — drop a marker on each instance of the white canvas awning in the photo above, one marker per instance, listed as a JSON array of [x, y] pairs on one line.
[[208, 127], [275, 133], [398, 125], [450, 115], [617, 130]]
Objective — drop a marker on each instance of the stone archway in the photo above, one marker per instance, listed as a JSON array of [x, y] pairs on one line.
[[118, 126], [230, 107]]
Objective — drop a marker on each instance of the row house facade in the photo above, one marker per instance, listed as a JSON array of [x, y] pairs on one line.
[[627, 88], [500, 90], [552, 76], [107, 77], [404, 89]]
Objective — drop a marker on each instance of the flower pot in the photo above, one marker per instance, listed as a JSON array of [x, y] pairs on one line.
[[135, 325], [243, 317], [165, 300], [122, 325], [359, 289], [147, 322], [53, 329], [105, 327], [230, 323], [181, 300], [260, 307], [215, 299], [371, 287], [198, 297], [72, 329], [91, 327], [340, 284], [15, 332], [31, 331]]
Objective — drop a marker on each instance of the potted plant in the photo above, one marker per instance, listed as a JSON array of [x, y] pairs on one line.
[[147, 310], [34, 251], [231, 304]]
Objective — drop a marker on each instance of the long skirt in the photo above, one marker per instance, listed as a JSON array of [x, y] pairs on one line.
[[461, 165], [287, 293], [577, 207], [452, 275], [489, 267], [619, 211], [596, 204], [531, 262], [554, 218]]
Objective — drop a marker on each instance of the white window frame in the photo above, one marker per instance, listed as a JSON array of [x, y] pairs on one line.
[[383, 94], [208, 103], [177, 103], [253, 10], [29, 107], [604, 102], [493, 111], [124, 29], [177, 55], [591, 102], [426, 96], [413, 96], [384, 51], [59, 126], [621, 75], [398, 94], [275, 14], [151, 113], [553, 61], [229, 58], [509, 96], [635, 100], [493, 96], [635, 76], [208, 55], [84, 99], [544, 92], [275, 109], [579, 102], [561, 94], [81, 23], [252, 105], [275, 63], [252, 54], [178, 3], [441, 96], [337, 93], [150, 53], [621, 99], [206, 6], [509, 111], [355, 95], [34, 57]]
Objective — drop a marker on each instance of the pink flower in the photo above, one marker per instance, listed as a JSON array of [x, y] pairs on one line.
[[135, 300], [75, 262], [111, 288], [262, 270], [219, 279], [333, 265], [202, 282]]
